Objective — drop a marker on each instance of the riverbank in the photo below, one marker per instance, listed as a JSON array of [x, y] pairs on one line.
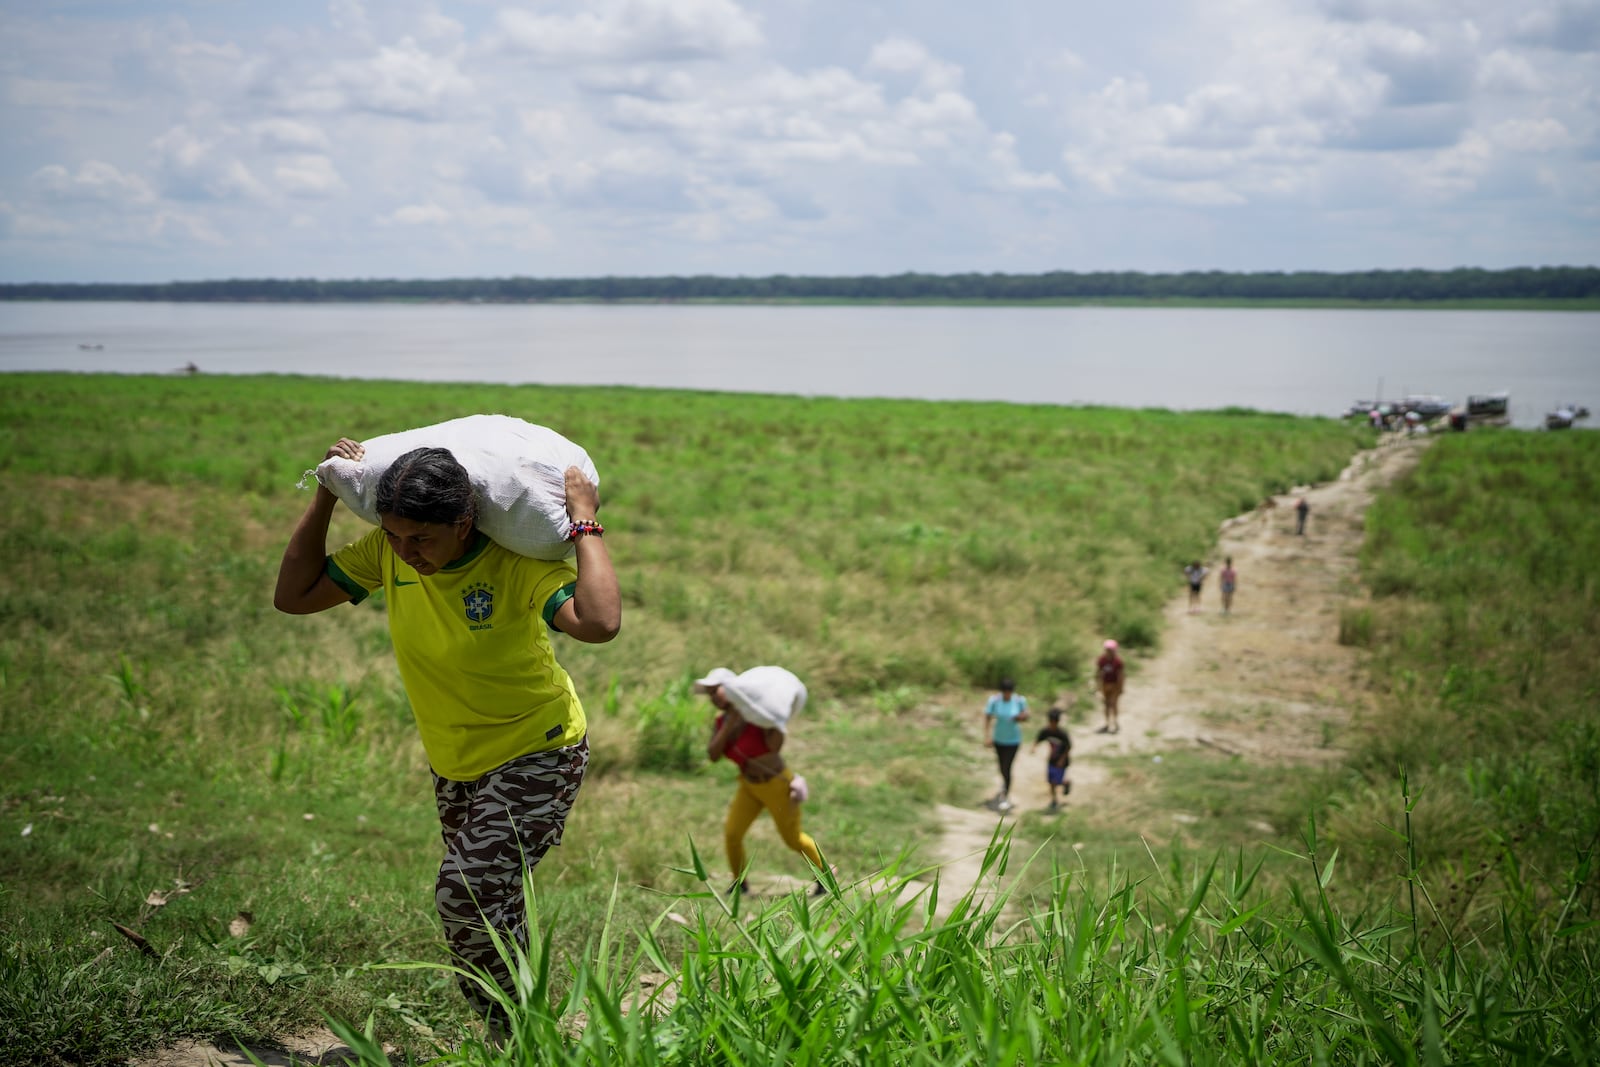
[[1326, 303]]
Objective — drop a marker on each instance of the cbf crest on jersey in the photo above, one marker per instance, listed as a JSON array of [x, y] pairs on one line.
[[477, 600]]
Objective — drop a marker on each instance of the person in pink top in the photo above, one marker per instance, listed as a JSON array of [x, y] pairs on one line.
[[1109, 671], [755, 708], [1230, 582]]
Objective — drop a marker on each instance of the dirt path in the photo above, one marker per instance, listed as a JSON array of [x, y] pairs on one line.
[[1269, 681]]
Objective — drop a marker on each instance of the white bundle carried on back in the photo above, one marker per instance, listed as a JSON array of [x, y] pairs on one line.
[[518, 470], [765, 696]]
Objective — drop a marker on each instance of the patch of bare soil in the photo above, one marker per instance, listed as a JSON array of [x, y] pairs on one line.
[[316, 1049], [1268, 682]]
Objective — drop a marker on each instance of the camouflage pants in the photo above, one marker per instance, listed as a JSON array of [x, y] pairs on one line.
[[493, 828]]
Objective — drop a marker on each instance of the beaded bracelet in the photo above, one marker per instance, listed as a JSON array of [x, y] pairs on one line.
[[586, 526]]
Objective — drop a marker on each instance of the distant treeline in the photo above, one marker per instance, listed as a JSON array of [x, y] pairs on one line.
[[1410, 286]]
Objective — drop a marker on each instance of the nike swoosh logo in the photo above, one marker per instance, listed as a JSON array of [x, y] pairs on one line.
[[399, 582]]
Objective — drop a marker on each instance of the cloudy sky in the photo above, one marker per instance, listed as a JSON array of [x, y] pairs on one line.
[[151, 140]]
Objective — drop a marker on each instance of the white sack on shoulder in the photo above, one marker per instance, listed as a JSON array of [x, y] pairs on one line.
[[517, 468], [767, 696]]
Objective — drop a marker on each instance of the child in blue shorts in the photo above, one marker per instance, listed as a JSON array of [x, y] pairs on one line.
[[1060, 755]]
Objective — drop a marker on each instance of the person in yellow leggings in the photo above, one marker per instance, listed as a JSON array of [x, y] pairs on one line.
[[755, 708]]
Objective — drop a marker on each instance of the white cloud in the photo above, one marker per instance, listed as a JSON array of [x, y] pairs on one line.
[[1420, 67], [309, 176], [31, 225], [184, 227], [1456, 170], [903, 56], [289, 135], [350, 17], [1389, 78], [647, 82], [777, 118], [631, 31], [933, 115], [1502, 71], [543, 124], [60, 94], [94, 181], [1531, 135], [193, 168], [438, 28], [721, 135], [1566, 26], [420, 215], [404, 80], [1010, 171], [830, 89]]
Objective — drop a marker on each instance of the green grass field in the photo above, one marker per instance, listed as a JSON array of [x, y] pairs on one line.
[[244, 790]]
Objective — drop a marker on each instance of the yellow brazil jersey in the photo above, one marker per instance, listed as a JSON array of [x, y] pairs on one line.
[[473, 648]]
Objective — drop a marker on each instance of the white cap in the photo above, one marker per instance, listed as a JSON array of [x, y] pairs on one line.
[[718, 676]]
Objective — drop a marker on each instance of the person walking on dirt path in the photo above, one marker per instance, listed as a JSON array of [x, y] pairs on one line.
[[501, 723], [1301, 510], [1003, 716], [1055, 768], [1195, 574], [1229, 580], [1109, 671], [755, 709]]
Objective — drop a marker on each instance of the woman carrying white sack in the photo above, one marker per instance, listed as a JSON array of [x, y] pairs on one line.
[[754, 712], [499, 718]]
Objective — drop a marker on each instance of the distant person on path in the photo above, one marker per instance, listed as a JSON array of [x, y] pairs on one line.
[[1196, 576], [1230, 581], [1003, 716], [1109, 671], [1055, 768], [501, 724], [1301, 510], [755, 709]]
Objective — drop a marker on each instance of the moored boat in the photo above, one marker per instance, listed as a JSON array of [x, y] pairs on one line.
[[1426, 405], [1564, 416], [1482, 409], [1488, 405]]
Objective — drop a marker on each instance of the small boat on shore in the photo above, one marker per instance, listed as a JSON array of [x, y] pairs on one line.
[[1563, 417], [1426, 405], [1482, 409], [1489, 405]]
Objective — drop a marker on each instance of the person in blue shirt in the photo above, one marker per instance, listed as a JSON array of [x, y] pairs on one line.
[[1003, 717]]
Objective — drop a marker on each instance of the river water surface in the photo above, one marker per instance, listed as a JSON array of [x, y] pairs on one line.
[[1303, 361]]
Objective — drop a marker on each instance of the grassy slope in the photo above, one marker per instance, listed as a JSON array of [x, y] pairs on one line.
[[162, 729]]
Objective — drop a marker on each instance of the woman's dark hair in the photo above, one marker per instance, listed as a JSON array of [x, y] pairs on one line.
[[427, 485]]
